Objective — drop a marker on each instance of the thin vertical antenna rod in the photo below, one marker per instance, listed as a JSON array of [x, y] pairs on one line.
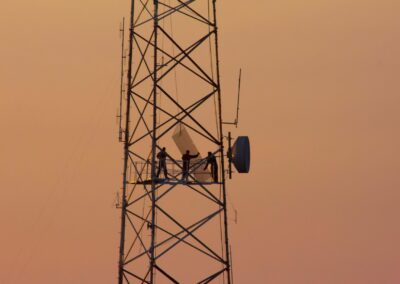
[[236, 121], [126, 153], [238, 99], [121, 91]]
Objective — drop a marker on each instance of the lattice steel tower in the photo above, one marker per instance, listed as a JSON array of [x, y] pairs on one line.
[[174, 228]]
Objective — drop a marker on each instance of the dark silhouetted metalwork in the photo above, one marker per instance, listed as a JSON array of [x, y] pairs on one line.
[[166, 224]]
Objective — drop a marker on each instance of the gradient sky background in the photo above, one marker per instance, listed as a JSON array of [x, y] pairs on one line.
[[320, 103]]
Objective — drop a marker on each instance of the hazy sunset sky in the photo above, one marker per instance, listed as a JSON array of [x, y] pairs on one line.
[[320, 102]]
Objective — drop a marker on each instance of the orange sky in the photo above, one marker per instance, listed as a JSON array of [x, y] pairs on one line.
[[320, 104]]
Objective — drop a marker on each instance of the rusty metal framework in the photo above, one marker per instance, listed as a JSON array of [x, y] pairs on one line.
[[172, 230]]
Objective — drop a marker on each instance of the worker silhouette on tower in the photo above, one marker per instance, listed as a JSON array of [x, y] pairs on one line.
[[186, 164], [162, 162], [211, 160]]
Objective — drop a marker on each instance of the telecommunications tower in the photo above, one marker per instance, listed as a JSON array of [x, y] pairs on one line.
[[174, 223]]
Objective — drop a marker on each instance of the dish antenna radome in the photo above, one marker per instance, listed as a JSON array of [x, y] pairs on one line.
[[241, 154]]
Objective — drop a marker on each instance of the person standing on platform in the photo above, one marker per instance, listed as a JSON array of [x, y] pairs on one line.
[[162, 162], [186, 164], [212, 161]]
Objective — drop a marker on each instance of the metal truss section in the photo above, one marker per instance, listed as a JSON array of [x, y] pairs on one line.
[[173, 229]]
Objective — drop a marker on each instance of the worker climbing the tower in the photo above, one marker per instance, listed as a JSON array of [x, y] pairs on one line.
[[212, 161], [186, 164], [162, 162]]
